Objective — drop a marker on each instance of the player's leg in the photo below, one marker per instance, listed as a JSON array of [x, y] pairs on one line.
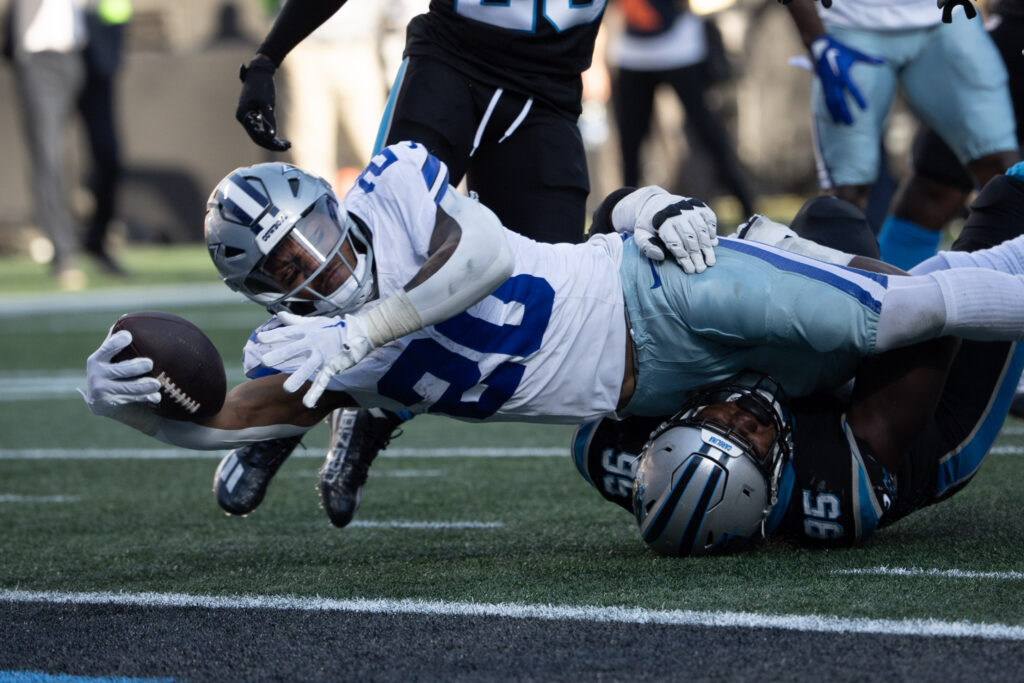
[[848, 155], [933, 194], [242, 478], [357, 436], [981, 383], [536, 179], [835, 223], [689, 85], [433, 105], [973, 114], [633, 98]]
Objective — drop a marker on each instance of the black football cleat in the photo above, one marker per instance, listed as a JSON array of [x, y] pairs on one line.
[[243, 475], [357, 436]]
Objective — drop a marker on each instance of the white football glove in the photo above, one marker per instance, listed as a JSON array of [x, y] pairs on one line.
[[688, 228], [118, 390], [329, 346]]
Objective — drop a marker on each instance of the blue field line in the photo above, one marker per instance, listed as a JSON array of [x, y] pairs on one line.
[[40, 677], [580, 613]]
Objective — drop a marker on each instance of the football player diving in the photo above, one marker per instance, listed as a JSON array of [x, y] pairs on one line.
[[408, 295]]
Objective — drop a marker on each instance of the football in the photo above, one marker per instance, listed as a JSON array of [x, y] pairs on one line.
[[190, 370]]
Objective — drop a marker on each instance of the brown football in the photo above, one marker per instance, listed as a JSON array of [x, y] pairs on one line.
[[186, 362]]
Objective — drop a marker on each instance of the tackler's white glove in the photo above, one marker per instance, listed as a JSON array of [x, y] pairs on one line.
[[119, 390], [687, 227], [329, 346]]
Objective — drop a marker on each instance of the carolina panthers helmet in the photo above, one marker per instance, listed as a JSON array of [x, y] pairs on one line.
[[702, 486], [258, 211]]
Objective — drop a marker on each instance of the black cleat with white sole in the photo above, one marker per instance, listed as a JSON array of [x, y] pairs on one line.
[[243, 475], [357, 436]]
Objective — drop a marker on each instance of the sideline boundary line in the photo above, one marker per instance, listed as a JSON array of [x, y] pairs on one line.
[[622, 615]]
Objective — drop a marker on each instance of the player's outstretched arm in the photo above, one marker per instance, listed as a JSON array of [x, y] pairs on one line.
[[253, 411]]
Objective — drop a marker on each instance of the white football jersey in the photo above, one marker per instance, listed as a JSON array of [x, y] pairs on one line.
[[883, 15], [548, 345]]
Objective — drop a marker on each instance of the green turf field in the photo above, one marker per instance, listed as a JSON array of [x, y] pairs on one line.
[[454, 512]]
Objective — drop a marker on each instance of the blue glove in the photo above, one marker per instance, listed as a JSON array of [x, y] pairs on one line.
[[832, 62]]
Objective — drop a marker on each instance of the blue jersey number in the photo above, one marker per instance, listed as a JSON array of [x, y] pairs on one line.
[[375, 168], [426, 356], [520, 15]]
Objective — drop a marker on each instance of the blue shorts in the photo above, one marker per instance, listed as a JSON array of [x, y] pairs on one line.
[[951, 74], [805, 322]]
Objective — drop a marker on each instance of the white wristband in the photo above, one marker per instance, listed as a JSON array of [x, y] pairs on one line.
[[394, 318]]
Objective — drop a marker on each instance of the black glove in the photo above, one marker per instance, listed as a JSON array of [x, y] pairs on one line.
[[256, 104], [948, 5]]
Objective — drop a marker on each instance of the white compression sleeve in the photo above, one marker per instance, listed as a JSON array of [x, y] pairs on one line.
[[200, 438], [482, 260], [1007, 257], [766, 231], [972, 303]]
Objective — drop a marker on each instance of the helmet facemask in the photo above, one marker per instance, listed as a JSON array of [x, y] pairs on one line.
[[701, 484], [281, 237]]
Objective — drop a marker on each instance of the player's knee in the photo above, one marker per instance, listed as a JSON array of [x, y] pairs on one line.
[[836, 223], [997, 215]]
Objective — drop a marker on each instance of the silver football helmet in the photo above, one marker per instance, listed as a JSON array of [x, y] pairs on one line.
[[701, 485], [276, 234]]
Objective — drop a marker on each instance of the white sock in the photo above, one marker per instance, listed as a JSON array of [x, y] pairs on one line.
[[973, 303]]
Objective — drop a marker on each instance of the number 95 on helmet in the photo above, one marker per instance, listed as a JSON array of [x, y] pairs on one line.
[[708, 477]]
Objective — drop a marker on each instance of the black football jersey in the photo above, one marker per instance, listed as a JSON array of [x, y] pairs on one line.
[[535, 47]]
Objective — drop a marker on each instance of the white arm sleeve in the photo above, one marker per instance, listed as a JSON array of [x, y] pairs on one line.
[[766, 231], [200, 438], [482, 260]]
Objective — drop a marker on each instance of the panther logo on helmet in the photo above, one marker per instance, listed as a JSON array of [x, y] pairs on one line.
[[703, 485]]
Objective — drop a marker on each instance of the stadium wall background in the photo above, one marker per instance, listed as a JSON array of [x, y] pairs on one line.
[[178, 92]]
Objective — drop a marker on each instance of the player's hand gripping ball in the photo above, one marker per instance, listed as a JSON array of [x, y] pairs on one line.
[[185, 361]]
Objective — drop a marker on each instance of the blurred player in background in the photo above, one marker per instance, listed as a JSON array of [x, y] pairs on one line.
[[665, 44], [741, 462], [420, 300], [951, 75], [493, 91], [106, 21], [47, 41]]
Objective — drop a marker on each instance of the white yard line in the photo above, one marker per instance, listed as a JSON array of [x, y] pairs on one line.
[[940, 573], [33, 385], [624, 615], [423, 525], [118, 300], [16, 498]]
